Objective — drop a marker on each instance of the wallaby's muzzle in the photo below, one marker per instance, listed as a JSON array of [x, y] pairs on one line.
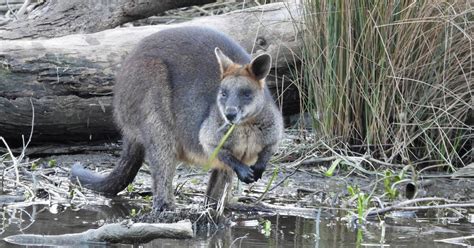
[[232, 114]]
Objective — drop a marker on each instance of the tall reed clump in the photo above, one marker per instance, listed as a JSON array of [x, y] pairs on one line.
[[393, 78]]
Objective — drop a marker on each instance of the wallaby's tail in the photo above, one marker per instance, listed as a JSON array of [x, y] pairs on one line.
[[131, 159], [219, 187]]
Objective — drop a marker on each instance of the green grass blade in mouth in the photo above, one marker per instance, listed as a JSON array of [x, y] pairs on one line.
[[219, 147]]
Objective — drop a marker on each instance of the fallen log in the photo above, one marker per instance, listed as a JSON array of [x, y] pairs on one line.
[[70, 79], [110, 233], [55, 18]]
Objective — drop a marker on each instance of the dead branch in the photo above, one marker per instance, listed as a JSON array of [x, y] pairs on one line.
[[403, 205], [110, 233]]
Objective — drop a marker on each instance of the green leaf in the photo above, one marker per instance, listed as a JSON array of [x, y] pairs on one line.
[[267, 227], [330, 171], [148, 198], [351, 190], [130, 188], [52, 163]]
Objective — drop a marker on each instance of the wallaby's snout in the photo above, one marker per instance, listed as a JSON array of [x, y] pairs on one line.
[[232, 114]]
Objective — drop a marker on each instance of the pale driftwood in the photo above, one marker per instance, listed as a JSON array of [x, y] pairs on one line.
[[109, 233], [70, 78]]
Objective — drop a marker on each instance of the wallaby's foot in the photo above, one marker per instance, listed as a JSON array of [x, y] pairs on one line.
[[160, 204], [245, 174], [258, 170]]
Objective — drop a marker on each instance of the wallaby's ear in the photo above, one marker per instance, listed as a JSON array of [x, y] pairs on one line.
[[223, 60], [260, 66]]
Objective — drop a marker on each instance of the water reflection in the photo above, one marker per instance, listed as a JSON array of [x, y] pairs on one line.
[[323, 230]]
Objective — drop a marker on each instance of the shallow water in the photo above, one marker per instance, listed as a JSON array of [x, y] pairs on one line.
[[325, 230]]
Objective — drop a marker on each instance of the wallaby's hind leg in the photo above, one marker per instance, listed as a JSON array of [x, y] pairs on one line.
[[163, 162], [218, 180]]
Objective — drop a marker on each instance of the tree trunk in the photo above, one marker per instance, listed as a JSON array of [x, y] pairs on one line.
[[58, 17], [69, 79]]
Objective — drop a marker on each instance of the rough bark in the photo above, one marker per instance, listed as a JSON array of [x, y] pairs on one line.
[[58, 17], [69, 79]]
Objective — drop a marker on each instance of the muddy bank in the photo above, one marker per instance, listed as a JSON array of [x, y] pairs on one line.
[[293, 185], [298, 204]]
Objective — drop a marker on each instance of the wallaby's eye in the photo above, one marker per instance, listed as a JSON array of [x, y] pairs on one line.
[[223, 93], [247, 93]]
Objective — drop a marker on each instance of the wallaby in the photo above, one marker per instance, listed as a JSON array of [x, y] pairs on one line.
[[175, 94]]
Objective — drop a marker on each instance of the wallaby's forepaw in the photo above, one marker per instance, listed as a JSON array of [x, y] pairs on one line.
[[245, 174], [258, 170]]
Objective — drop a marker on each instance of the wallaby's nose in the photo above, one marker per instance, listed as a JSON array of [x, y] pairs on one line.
[[231, 113]]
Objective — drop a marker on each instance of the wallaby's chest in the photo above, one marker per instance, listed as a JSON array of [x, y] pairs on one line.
[[247, 144]]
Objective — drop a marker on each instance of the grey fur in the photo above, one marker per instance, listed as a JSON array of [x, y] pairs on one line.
[[165, 104]]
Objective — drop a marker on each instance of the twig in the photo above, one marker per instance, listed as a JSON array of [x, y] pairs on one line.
[[30, 191], [22, 155], [11, 9], [455, 240], [202, 10], [22, 10], [13, 158], [17, 160], [239, 238], [267, 188], [284, 179], [314, 160], [65, 149], [401, 205], [453, 205]]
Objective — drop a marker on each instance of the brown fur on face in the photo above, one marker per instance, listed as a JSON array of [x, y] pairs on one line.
[[237, 70]]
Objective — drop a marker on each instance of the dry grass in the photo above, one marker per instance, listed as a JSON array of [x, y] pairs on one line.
[[391, 79]]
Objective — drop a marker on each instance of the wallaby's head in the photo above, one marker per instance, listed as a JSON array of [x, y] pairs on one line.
[[241, 94]]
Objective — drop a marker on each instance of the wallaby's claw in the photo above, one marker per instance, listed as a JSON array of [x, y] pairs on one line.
[[245, 174], [257, 171]]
